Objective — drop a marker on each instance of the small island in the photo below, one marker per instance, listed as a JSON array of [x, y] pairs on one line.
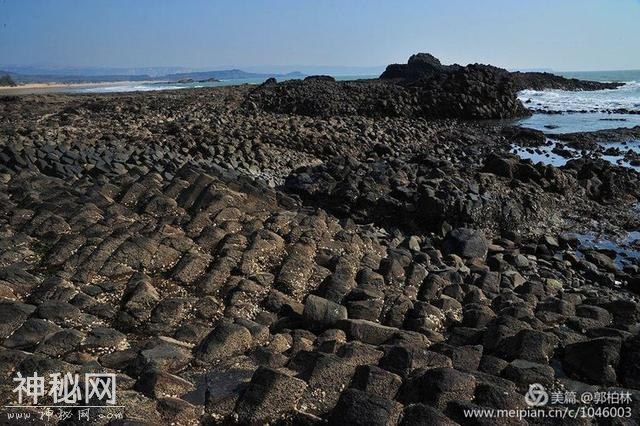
[[191, 80]]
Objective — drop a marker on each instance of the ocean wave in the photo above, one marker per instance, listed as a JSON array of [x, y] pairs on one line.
[[129, 88], [626, 97]]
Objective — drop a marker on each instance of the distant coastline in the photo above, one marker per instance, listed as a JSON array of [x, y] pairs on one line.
[[25, 75], [139, 86], [55, 87], [45, 81]]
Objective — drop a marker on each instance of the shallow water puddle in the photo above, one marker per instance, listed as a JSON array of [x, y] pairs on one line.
[[542, 154], [578, 122], [626, 248], [546, 154]]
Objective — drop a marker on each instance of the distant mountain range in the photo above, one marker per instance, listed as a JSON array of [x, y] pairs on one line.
[[234, 74], [90, 75]]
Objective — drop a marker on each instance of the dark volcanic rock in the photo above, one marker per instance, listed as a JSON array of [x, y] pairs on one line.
[[466, 243], [323, 313], [418, 66], [422, 88], [407, 270], [376, 381], [360, 408], [270, 394], [545, 80], [629, 367], [589, 139], [593, 360], [439, 386], [225, 340], [524, 136], [422, 414], [424, 66]]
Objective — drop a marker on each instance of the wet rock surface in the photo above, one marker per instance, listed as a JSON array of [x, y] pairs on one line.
[[270, 267]]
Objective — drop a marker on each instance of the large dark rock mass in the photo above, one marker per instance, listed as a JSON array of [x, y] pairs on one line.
[[423, 66], [545, 80], [418, 66], [421, 88]]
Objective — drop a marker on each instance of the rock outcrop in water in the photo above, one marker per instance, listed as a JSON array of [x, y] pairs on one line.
[[423, 66], [591, 139], [545, 80], [422, 88]]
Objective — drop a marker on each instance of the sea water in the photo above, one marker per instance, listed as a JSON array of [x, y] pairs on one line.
[[560, 106], [563, 119], [160, 85], [560, 114], [152, 86]]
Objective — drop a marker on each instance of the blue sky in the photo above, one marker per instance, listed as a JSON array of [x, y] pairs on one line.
[[558, 34]]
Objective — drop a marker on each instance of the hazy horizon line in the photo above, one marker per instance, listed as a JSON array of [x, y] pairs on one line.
[[281, 68]]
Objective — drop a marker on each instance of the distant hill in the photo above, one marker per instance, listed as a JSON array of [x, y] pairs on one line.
[[47, 77], [234, 74]]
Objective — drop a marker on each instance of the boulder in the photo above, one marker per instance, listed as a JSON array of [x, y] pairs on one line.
[[421, 414], [376, 381], [594, 360], [356, 407], [156, 383], [466, 243], [629, 367], [402, 359], [438, 386], [322, 313], [526, 372], [165, 357], [367, 331], [225, 340], [530, 345], [326, 377], [30, 333], [270, 395]]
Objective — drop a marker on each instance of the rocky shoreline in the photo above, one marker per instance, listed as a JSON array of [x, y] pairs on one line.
[[422, 88], [298, 253], [545, 80]]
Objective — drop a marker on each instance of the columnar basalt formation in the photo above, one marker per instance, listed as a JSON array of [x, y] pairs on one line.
[[258, 264]]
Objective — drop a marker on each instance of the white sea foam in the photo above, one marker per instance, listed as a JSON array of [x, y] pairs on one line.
[[128, 88], [625, 97], [152, 86]]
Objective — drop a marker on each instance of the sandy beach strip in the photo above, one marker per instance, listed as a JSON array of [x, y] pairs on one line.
[[53, 87]]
